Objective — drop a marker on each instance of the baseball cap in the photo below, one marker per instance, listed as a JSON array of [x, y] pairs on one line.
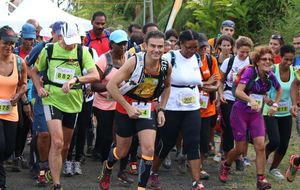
[[202, 40], [118, 36], [28, 31], [228, 23], [56, 27], [7, 34], [70, 33]]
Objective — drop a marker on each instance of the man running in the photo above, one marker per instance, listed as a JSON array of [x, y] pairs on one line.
[[149, 77]]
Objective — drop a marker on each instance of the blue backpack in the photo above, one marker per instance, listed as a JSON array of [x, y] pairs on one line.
[[89, 37]]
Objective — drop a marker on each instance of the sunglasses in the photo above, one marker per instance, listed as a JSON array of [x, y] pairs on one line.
[[276, 37], [266, 59]]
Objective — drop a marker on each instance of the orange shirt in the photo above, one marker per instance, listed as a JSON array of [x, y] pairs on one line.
[[211, 107], [8, 88]]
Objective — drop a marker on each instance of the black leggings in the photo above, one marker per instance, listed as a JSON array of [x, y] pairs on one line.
[[104, 132], [227, 136], [279, 132], [79, 136], [24, 126], [8, 130], [206, 124], [189, 123]]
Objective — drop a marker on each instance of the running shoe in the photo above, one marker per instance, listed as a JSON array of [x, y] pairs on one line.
[[239, 165], [198, 186], [133, 168], [41, 180], [56, 187], [246, 161], [275, 172], [104, 178], [68, 169], [167, 162], [263, 184], [76, 168], [218, 157], [204, 175], [154, 181], [223, 172], [292, 169], [48, 176], [16, 165], [124, 177]]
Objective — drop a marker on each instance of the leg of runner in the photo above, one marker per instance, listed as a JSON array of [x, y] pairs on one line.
[[55, 153], [147, 141]]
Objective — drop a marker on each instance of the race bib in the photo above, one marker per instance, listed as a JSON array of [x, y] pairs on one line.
[[62, 75], [145, 109], [258, 98], [5, 106], [186, 99], [283, 107], [204, 101]]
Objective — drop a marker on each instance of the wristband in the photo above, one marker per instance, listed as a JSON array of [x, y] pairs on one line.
[[275, 105], [161, 109]]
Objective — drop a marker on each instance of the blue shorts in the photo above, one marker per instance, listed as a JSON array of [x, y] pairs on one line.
[[39, 121]]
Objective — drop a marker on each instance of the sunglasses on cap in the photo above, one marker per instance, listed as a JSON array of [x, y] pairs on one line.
[[276, 37]]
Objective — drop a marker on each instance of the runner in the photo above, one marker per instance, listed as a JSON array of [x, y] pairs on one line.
[[255, 81], [225, 46], [279, 126], [228, 70], [276, 41], [182, 109], [61, 93], [135, 111], [97, 38], [228, 29], [294, 162], [104, 107], [41, 137], [296, 43], [209, 71], [13, 84]]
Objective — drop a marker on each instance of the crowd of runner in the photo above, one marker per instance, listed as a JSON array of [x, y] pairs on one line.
[[146, 93]]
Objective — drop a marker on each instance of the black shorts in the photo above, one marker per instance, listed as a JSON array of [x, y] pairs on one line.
[[69, 120], [127, 127]]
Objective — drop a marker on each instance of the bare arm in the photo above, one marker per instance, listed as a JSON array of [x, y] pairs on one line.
[[22, 84], [113, 86]]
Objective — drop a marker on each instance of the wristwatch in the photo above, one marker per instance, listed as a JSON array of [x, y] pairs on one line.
[[77, 79]]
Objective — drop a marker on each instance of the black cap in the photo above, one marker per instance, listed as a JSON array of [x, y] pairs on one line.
[[7, 34]]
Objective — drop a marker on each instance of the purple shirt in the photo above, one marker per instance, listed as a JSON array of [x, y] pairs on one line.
[[259, 86]]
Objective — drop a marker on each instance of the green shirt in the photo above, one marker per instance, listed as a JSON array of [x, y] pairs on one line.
[[285, 101], [60, 72]]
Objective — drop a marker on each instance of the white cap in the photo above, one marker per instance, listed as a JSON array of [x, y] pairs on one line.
[[70, 33]]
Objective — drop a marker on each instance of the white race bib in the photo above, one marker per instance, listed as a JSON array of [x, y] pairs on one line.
[[204, 101], [283, 107], [62, 75], [258, 98], [145, 109], [186, 99], [5, 106]]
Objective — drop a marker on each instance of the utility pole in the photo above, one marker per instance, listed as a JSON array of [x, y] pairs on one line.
[[149, 4]]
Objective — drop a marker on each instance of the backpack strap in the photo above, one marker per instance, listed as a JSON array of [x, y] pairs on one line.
[[91, 52], [88, 35], [198, 59], [173, 57], [137, 48], [229, 67], [209, 62], [19, 66], [109, 65]]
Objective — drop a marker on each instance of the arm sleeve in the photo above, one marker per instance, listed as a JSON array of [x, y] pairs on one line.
[[247, 75]]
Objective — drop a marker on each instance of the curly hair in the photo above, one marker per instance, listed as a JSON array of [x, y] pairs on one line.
[[260, 51]]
